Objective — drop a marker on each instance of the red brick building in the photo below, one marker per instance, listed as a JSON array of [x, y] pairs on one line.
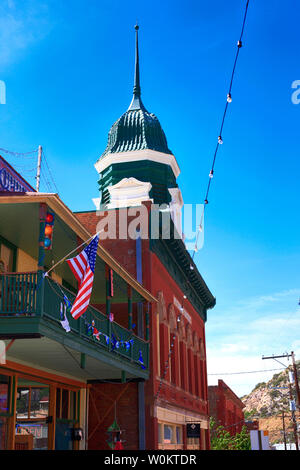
[[225, 407], [137, 175], [156, 419]]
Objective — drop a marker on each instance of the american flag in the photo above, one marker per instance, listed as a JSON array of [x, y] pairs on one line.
[[83, 268]]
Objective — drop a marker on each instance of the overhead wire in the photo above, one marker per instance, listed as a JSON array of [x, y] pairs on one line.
[[211, 174], [19, 154], [247, 372], [49, 172], [220, 140]]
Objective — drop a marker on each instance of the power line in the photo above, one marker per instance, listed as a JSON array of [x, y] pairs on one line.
[[44, 159], [247, 372]]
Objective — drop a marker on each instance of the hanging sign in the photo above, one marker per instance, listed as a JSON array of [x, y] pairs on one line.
[[193, 430]]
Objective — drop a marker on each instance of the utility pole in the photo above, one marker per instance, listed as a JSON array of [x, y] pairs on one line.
[[282, 414], [296, 379], [38, 172], [292, 407], [283, 427], [291, 396]]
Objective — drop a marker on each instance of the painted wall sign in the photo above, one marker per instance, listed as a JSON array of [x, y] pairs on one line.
[[10, 180]]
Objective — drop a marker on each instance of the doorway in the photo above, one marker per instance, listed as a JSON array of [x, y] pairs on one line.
[[67, 415]]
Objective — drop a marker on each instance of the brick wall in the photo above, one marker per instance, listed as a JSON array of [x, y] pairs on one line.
[[225, 407], [102, 398], [182, 388]]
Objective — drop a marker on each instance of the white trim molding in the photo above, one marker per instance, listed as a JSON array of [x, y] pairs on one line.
[[180, 416], [135, 156]]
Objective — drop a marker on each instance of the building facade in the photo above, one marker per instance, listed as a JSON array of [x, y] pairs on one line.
[[48, 358], [139, 211], [226, 408]]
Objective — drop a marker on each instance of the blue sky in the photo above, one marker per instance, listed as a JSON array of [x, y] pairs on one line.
[[68, 71]]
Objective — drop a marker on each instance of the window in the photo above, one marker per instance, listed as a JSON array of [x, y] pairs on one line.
[[32, 412], [168, 434], [66, 404], [174, 361], [3, 432], [160, 439], [7, 256], [4, 394], [197, 391], [179, 434], [5, 383]]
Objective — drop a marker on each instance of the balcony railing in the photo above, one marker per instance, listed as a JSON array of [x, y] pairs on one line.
[[32, 295]]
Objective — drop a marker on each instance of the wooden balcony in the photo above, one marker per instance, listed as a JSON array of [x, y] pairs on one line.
[[30, 306]]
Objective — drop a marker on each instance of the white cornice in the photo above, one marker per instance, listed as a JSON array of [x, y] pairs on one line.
[[135, 156]]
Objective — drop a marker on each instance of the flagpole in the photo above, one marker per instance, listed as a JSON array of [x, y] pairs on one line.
[[77, 247]]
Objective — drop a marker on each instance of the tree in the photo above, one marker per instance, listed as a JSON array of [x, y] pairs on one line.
[[221, 439]]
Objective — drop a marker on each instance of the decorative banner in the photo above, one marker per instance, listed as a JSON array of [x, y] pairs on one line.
[[111, 317], [141, 361], [96, 333], [63, 316], [116, 343]]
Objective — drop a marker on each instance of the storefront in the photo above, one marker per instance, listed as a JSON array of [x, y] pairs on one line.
[[172, 429], [40, 411]]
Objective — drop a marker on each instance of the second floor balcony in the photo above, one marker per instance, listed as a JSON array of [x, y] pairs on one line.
[[103, 343]]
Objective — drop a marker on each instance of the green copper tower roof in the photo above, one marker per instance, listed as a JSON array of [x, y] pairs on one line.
[[136, 129]]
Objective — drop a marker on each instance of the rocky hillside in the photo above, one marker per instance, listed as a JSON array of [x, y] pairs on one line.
[[269, 398], [266, 403]]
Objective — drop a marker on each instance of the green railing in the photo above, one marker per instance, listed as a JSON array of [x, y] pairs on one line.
[[30, 294], [18, 294]]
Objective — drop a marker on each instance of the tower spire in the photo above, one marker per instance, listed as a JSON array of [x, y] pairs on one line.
[[137, 86], [136, 102]]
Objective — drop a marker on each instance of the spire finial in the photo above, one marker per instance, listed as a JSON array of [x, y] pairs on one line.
[[137, 87], [136, 102]]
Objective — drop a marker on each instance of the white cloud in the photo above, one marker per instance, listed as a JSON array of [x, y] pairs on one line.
[[241, 374], [234, 348], [255, 327]]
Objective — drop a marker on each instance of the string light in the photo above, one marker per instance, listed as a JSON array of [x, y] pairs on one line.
[[220, 141], [19, 154]]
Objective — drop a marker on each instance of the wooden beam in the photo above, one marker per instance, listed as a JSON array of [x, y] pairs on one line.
[[12, 419], [108, 411], [52, 417]]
